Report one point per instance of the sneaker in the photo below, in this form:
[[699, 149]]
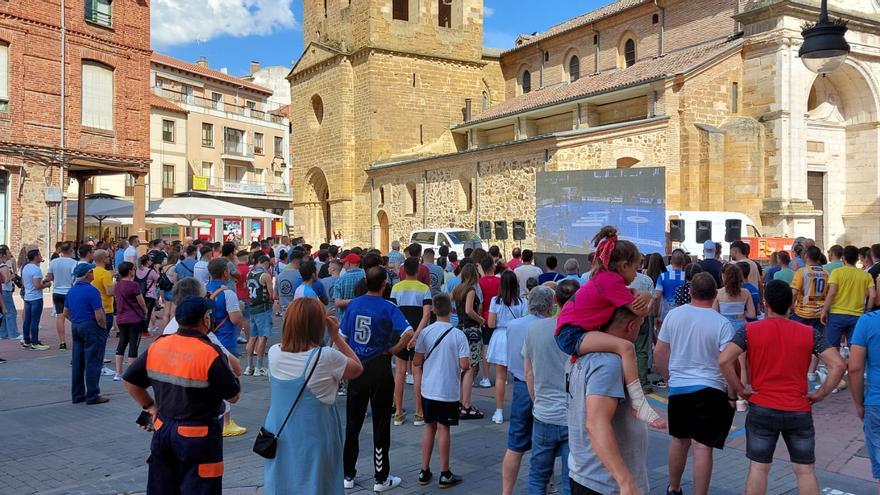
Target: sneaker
[[409, 379], [39, 346], [485, 383], [62, 347], [24, 345], [105, 371], [2, 360], [399, 419], [20, 337], [389, 484], [419, 420], [117, 377], [343, 391], [448, 479], [241, 340], [498, 417], [348, 483], [425, 476], [261, 372], [248, 371], [233, 430], [670, 491]]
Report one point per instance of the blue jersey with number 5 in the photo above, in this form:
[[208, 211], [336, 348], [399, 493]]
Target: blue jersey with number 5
[[372, 325]]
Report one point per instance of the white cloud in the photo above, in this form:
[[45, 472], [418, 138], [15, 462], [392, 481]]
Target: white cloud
[[488, 11], [176, 22]]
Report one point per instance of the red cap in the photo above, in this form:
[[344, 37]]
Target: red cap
[[352, 258]]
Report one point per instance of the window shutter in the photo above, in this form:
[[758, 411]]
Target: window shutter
[[4, 72], [97, 96]]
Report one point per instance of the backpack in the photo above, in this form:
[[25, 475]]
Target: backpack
[[212, 297], [164, 283], [143, 283]]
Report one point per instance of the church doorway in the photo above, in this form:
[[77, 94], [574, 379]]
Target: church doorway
[[383, 232], [318, 223]]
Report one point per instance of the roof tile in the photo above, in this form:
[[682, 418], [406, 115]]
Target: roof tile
[[159, 102], [206, 72]]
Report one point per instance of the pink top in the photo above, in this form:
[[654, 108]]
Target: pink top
[[594, 303], [513, 263]]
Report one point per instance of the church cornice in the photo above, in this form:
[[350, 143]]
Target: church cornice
[[763, 10]]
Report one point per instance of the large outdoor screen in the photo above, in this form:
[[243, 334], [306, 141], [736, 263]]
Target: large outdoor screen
[[573, 206]]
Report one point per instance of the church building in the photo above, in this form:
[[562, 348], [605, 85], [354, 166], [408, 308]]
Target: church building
[[403, 120]]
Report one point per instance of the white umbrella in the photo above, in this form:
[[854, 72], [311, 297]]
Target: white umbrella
[[166, 222], [193, 207]]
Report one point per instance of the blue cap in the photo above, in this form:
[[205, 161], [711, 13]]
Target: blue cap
[[192, 309], [83, 269]]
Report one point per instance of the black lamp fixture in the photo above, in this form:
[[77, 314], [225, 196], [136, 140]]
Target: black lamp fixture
[[825, 48]]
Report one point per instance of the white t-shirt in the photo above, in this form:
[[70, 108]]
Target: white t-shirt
[[61, 269], [200, 272], [441, 372], [130, 255], [696, 336], [324, 382], [172, 327], [505, 314], [524, 273]]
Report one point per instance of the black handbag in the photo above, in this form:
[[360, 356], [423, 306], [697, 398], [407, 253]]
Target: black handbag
[[266, 443]]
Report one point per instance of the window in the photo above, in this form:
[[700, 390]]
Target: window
[[629, 52], [734, 97], [655, 19], [258, 143], [233, 142], [596, 39], [444, 12], [423, 238], [485, 101], [382, 195], [318, 108], [250, 106], [208, 170], [546, 56], [526, 82], [627, 162], [4, 77], [97, 95], [129, 185], [279, 147], [207, 135], [167, 181], [400, 10], [99, 12], [187, 94], [234, 174], [574, 69], [217, 101], [168, 131], [412, 206]]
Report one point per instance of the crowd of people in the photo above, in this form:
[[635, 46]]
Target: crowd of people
[[579, 349]]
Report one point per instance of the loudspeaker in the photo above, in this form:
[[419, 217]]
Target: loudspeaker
[[501, 230], [733, 230], [676, 230], [485, 228], [704, 231], [519, 230]]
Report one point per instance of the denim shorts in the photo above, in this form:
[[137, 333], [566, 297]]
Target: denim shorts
[[838, 326], [763, 427], [519, 434], [261, 324], [816, 323], [569, 339], [872, 438]]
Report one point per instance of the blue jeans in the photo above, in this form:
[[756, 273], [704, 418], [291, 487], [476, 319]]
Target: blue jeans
[[89, 341], [9, 322], [30, 324], [872, 438], [548, 443], [838, 326]]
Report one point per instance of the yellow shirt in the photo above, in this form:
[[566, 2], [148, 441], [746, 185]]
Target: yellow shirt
[[811, 283], [104, 279], [852, 284]]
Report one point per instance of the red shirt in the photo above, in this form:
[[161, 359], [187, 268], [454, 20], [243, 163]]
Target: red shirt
[[490, 285], [594, 303], [513, 263], [779, 353], [241, 284], [424, 274]]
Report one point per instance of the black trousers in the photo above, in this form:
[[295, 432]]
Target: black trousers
[[376, 387], [578, 489]]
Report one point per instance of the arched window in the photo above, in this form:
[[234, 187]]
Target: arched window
[[382, 195], [485, 101], [574, 69], [412, 205], [526, 82], [627, 162], [318, 108], [629, 52], [465, 194]]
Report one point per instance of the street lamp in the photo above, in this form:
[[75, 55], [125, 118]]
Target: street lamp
[[825, 48]]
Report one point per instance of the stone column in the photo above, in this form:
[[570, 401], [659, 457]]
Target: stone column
[[139, 213]]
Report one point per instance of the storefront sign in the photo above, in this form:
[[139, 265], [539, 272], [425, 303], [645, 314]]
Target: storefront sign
[[200, 183]]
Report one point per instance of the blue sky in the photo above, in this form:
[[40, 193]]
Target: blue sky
[[231, 33]]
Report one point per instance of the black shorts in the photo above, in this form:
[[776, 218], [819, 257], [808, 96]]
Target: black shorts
[[704, 416], [58, 302], [487, 334], [406, 354], [445, 413], [763, 427]]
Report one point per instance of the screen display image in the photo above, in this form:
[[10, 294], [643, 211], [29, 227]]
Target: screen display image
[[572, 207]]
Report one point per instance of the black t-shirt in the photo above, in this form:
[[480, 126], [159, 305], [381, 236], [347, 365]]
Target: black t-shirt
[[712, 267], [874, 271]]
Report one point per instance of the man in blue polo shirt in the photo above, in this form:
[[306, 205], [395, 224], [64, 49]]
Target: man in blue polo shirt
[[85, 311], [375, 330]]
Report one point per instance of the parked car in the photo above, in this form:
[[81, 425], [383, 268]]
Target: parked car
[[455, 238]]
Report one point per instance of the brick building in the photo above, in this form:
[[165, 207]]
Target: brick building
[[74, 103], [405, 121]]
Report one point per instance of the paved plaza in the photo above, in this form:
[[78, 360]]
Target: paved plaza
[[50, 446]]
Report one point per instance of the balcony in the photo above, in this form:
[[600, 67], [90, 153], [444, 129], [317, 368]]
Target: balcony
[[215, 184], [219, 106], [238, 150]]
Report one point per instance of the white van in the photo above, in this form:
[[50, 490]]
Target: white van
[[711, 223], [456, 239]]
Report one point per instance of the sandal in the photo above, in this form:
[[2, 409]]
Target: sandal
[[470, 413]]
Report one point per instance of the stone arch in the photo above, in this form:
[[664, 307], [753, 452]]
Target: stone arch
[[384, 228], [572, 67], [317, 222], [627, 50], [524, 79], [627, 162]]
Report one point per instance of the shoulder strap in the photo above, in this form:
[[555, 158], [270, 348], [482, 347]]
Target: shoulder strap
[[438, 342], [301, 390], [223, 321]]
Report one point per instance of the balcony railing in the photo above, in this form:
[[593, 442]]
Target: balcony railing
[[215, 184], [222, 106], [238, 148]]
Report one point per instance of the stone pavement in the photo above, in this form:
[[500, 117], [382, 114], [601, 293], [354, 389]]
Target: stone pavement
[[50, 446]]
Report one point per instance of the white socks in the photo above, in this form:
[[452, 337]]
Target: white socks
[[640, 405]]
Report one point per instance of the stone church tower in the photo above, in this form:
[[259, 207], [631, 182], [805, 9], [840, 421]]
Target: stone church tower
[[379, 79]]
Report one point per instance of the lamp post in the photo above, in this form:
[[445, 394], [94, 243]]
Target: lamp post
[[825, 48]]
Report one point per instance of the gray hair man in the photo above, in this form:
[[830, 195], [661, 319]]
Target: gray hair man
[[395, 257], [545, 379], [572, 270]]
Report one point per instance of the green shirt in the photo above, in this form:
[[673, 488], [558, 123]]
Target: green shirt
[[834, 265], [786, 275]]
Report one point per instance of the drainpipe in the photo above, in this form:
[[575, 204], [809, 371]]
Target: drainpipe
[[372, 213], [60, 208], [660, 39], [541, 78], [477, 199], [425, 200], [598, 37]]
